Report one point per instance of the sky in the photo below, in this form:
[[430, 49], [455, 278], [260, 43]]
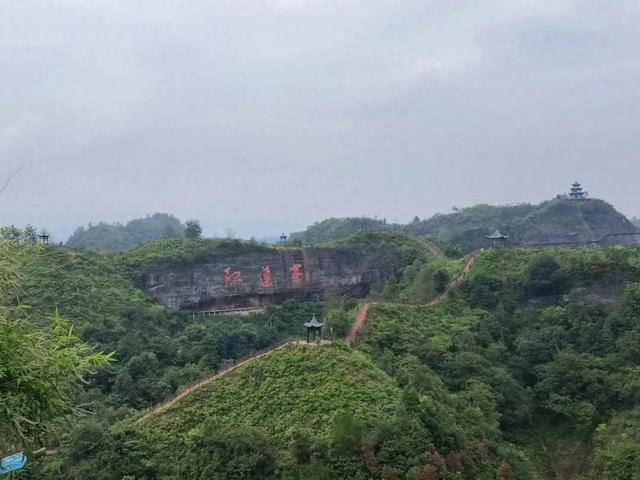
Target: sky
[[264, 116]]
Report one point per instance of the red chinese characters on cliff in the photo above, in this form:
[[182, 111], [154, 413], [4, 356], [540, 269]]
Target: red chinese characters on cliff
[[295, 274], [266, 278], [232, 279]]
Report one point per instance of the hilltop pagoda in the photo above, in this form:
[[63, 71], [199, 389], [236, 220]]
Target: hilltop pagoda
[[577, 193], [314, 327]]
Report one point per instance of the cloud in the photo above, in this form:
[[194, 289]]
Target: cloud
[[280, 112], [18, 132]]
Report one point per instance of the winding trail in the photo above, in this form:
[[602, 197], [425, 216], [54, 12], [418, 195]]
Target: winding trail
[[363, 310], [361, 318], [436, 250], [221, 373]]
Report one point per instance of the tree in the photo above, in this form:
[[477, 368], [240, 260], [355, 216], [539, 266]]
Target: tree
[[440, 280], [119, 237], [545, 276], [618, 446], [29, 236], [41, 370], [232, 454], [302, 446], [193, 229], [346, 434], [483, 291], [11, 234]]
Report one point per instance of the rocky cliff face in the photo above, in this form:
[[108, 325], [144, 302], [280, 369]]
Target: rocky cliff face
[[254, 278]]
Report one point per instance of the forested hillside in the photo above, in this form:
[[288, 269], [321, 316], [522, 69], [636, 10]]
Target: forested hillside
[[548, 334], [441, 337], [528, 370], [555, 221], [157, 350], [339, 228], [119, 237]]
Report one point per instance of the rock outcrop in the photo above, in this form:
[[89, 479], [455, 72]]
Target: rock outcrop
[[254, 278]]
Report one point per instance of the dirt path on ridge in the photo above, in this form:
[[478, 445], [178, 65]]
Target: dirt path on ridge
[[361, 318], [363, 310], [219, 374]]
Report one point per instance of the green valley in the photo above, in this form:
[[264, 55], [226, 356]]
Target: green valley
[[526, 368], [319, 240]]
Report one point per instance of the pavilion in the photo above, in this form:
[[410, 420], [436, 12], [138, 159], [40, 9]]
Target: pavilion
[[497, 238], [314, 327]]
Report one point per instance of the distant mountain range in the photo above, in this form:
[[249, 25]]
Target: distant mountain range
[[554, 221]]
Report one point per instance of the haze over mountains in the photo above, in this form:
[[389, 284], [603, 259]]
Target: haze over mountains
[[461, 309], [554, 221], [264, 115]]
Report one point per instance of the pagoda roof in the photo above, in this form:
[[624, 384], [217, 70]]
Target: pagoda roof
[[497, 236], [314, 323]]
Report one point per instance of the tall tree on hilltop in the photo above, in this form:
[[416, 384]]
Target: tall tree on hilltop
[[193, 229]]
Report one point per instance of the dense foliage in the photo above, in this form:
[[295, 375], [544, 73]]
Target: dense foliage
[[118, 237], [528, 370], [41, 369], [23, 237], [551, 335], [339, 228], [405, 248], [549, 222], [157, 350], [184, 252], [465, 229], [308, 412]]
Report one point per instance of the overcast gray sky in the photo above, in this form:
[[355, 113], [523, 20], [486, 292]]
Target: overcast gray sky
[[266, 115]]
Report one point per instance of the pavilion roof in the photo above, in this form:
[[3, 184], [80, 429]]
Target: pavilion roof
[[314, 323], [497, 236]]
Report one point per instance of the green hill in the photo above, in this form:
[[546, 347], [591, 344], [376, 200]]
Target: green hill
[[312, 412], [338, 228], [529, 367], [157, 350], [547, 332], [555, 221], [118, 237], [296, 389], [192, 251]]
